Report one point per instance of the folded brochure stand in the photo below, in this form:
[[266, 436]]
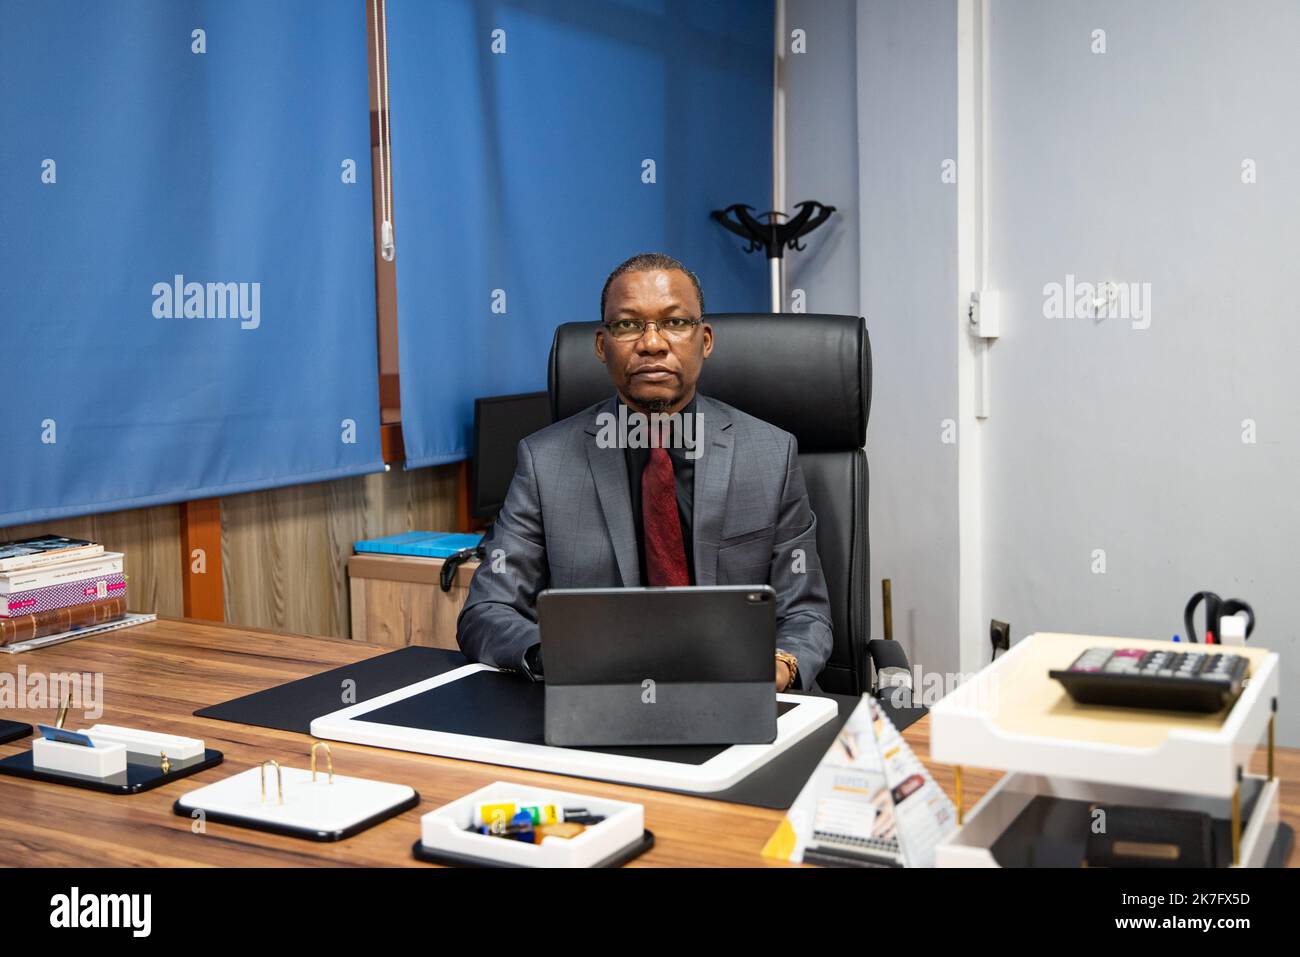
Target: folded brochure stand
[[871, 802]]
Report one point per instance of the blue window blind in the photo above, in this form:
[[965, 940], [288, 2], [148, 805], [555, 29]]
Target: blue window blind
[[186, 251], [525, 138]]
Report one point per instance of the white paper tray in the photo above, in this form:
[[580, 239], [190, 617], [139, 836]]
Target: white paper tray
[[971, 845], [1012, 717]]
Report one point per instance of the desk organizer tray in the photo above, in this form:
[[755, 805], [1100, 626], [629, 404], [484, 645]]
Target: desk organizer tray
[[316, 807], [477, 713], [13, 730], [444, 838], [1029, 820], [1012, 717], [141, 774]]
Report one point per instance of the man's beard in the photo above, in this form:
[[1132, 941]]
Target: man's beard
[[655, 406]]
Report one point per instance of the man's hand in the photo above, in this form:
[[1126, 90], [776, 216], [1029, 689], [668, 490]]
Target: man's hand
[[783, 675]]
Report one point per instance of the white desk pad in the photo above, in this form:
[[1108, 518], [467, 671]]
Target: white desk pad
[[718, 773]]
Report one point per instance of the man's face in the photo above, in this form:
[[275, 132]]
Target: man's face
[[658, 371]]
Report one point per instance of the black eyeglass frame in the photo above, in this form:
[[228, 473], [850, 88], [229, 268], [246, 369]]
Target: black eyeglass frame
[[658, 324]]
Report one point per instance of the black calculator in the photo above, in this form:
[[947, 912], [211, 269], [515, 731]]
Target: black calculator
[[1202, 681]]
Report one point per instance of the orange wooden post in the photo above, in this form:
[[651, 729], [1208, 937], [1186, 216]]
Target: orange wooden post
[[464, 522], [392, 447], [201, 586]]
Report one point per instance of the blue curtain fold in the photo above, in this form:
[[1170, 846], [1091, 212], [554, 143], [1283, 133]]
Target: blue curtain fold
[[520, 132], [139, 159]]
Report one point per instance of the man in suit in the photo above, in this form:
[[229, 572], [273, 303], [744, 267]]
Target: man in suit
[[719, 498]]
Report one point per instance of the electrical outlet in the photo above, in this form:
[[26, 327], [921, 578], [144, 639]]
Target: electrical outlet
[[999, 635]]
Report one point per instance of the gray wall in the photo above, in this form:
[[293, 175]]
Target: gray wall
[[1124, 166], [888, 72], [821, 152], [907, 115]]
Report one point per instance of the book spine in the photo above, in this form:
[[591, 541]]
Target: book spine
[[20, 562], [62, 595], [14, 582], [60, 620]]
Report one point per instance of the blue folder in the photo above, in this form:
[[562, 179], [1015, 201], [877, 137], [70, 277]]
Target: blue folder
[[421, 544]]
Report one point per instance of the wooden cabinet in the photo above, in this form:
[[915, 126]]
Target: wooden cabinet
[[397, 600]]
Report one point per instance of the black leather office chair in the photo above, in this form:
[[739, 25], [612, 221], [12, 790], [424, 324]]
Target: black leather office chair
[[809, 375]]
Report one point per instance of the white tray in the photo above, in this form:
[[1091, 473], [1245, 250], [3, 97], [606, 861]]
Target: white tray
[[718, 773], [1012, 717], [444, 829], [971, 845]]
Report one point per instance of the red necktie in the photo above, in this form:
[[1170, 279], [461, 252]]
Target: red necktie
[[665, 556]]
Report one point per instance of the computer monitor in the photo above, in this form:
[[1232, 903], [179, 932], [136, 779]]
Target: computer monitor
[[500, 422]]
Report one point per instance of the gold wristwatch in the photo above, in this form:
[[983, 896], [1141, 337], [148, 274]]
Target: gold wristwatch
[[792, 662]]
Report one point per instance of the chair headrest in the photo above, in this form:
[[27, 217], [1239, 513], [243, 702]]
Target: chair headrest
[[807, 374]]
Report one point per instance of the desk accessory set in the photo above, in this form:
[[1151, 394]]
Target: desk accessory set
[[109, 758]]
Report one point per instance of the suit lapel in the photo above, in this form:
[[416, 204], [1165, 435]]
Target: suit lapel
[[712, 480], [609, 470]]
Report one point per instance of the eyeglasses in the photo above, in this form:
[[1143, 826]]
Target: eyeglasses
[[629, 330]]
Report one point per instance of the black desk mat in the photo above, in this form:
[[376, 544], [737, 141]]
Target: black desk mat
[[293, 706], [13, 730]]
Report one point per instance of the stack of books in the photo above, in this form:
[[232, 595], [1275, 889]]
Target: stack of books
[[52, 584]]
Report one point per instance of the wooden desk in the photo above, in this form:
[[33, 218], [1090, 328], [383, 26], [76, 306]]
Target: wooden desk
[[156, 675]]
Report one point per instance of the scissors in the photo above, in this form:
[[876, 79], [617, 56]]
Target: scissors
[[1215, 608]]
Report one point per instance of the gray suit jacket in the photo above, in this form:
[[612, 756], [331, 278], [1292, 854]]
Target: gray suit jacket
[[567, 523]]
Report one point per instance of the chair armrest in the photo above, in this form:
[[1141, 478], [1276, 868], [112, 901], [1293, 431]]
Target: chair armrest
[[889, 664]]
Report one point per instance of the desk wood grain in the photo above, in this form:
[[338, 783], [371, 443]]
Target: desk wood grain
[[156, 675]]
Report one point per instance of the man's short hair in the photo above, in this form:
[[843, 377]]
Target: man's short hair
[[648, 262]]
